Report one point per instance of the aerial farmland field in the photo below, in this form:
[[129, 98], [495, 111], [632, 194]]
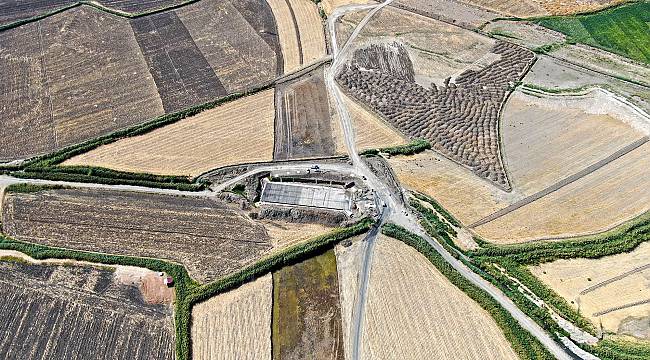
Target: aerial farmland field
[[408, 300], [240, 131], [202, 234], [77, 312]]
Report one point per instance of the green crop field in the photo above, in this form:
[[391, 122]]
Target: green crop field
[[623, 30]]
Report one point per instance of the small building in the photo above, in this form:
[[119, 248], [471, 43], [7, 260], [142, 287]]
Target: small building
[[169, 281]]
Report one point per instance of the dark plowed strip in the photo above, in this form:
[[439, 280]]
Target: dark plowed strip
[[562, 183], [182, 74]]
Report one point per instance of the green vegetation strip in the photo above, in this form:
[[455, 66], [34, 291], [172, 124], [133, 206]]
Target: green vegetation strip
[[414, 147], [516, 259], [522, 342], [622, 30], [188, 291]]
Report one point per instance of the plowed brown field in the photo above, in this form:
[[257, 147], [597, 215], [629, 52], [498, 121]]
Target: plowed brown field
[[204, 235], [414, 312], [237, 132]]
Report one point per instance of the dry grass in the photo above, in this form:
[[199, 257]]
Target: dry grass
[[533, 8], [284, 234], [287, 34], [546, 140], [236, 324], [438, 50], [569, 277], [609, 196], [330, 5], [410, 300], [312, 31], [370, 131], [237, 132], [465, 195]]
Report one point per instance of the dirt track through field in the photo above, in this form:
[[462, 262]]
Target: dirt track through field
[[560, 184]]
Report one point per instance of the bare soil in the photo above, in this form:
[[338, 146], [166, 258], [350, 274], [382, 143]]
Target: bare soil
[[304, 127], [204, 235], [78, 312], [67, 81]]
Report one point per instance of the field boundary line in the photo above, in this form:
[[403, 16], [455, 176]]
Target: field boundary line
[[614, 279], [562, 183], [297, 29], [621, 307]]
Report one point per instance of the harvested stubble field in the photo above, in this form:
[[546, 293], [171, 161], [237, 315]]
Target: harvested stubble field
[[597, 286], [437, 50], [204, 235], [183, 76], [301, 32], [348, 264], [330, 5], [533, 8], [237, 132], [68, 78], [304, 127], [75, 312], [284, 234], [546, 139], [460, 119], [371, 132], [306, 310], [237, 38], [14, 10], [454, 11], [235, 325], [468, 197], [601, 200], [410, 300]]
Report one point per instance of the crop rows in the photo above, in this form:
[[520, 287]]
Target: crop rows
[[209, 239], [460, 119], [54, 312]]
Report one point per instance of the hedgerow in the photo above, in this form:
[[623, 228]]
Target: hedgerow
[[414, 147], [523, 343], [441, 210]]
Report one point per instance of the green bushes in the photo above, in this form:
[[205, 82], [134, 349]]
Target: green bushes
[[188, 291], [414, 147], [523, 343], [31, 188], [442, 211], [62, 176]]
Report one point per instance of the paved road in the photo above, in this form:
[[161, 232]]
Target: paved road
[[397, 213], [562, 183]]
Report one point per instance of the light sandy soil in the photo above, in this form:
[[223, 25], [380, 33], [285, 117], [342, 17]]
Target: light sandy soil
[[547, 139], [330, 5], [370, 131], [450, 10], [570, 277], [287, 34], [236, 324], [410, 300], [463, 194], [348, 263], [601, 200], [284, 234], [149, 282], [311, 28], [240, 131], [438, 50], [564, 7], [518, 8]]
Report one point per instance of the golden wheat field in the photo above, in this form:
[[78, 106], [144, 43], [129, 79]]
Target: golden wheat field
[[547, 139], [600, 285], [311, 30], [236, 324], [348, 263], [369, 130], [287, 34], [284, 234], [410, 300], [237, 132], [599, 201]]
